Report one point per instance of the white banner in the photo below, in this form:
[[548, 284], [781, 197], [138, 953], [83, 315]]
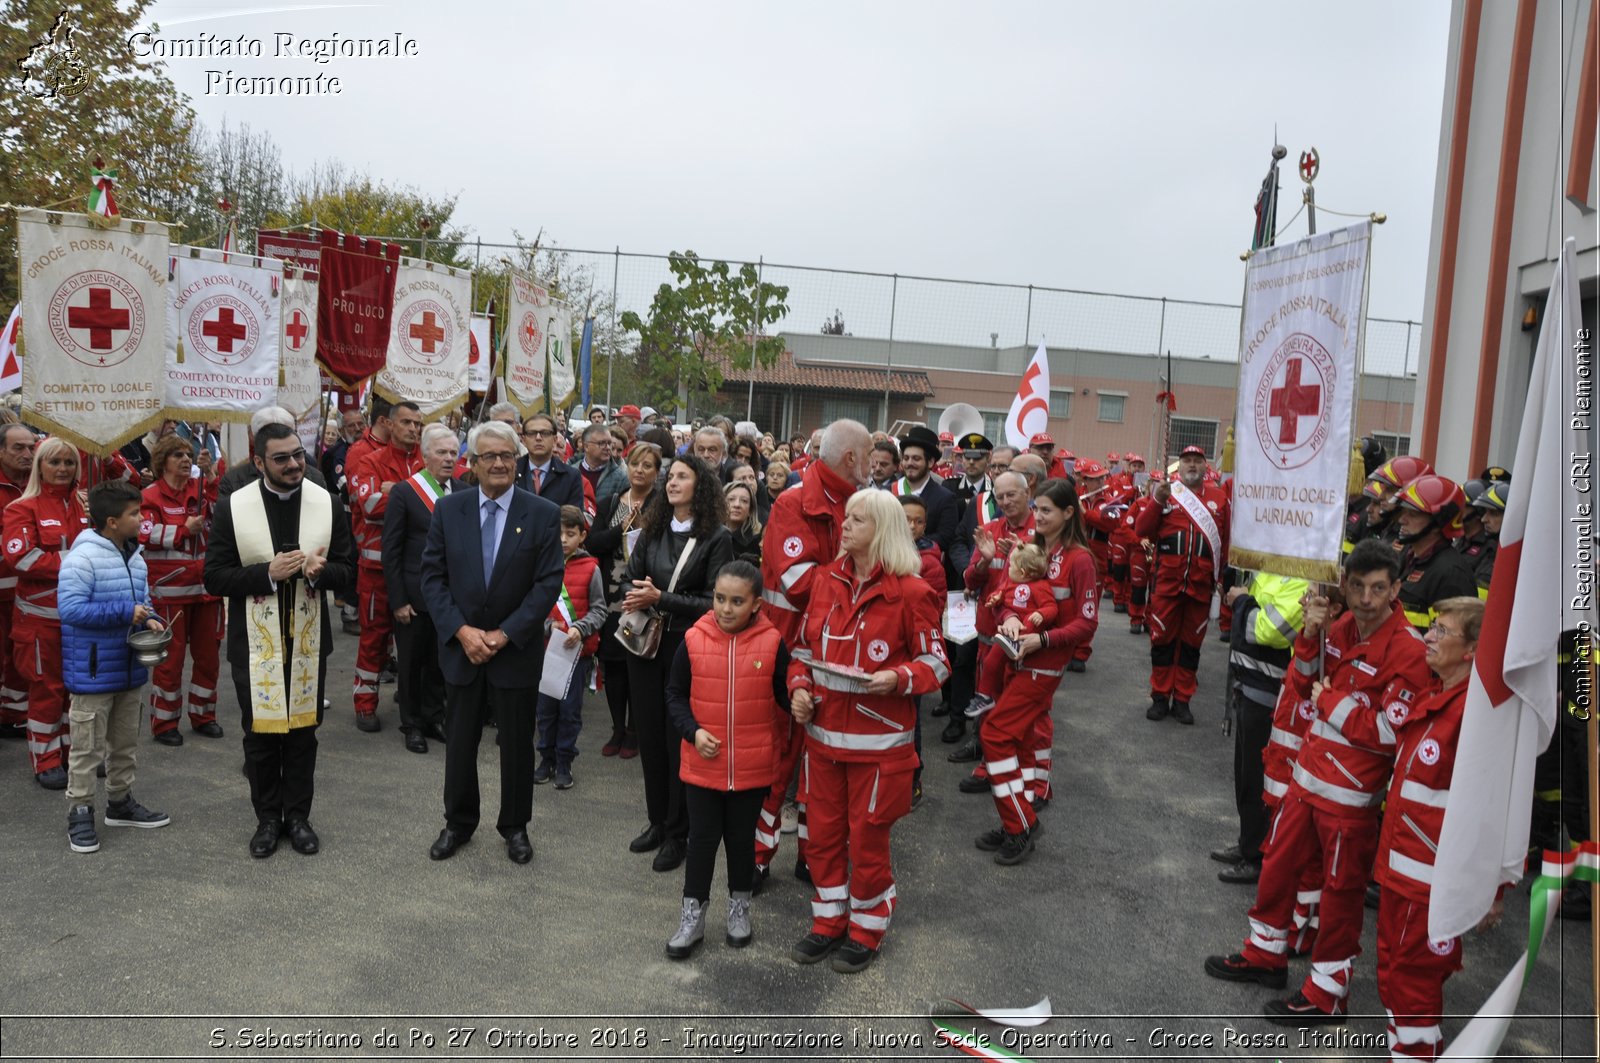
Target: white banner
[[527, 324], [563, 372], [430, 342], [93, 326], [222, 335], [1301, 335], [1030, 410], [478, 360], [300, 381]]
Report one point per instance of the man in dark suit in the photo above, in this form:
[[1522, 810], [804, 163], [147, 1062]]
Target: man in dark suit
[[540, 471], [919, 449], [491, 572], [405, 531], [266, 538]]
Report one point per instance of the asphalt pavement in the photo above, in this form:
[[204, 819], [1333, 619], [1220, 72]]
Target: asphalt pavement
[[168, 943]]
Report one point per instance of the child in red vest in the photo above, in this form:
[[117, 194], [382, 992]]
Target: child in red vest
[[727, 693], [577, 618], [1025, 594]]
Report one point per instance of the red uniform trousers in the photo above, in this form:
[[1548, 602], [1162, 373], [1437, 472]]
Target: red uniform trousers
[[1411, 974], [372, 652], [851, 806], [13, 686], [36, 649], [1178, 623], [1138, 584], [1300, 832], [768, 832], [199, 626], [1011, 740], [1117, 570], [1307, 900]]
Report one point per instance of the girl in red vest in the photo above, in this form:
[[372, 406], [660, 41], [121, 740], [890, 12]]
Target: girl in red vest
[[38, 529], [726, 694]]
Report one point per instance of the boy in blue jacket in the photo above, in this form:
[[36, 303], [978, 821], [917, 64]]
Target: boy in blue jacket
[[104, 593]]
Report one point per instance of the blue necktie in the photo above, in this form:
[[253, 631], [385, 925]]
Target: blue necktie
[[491, 540]]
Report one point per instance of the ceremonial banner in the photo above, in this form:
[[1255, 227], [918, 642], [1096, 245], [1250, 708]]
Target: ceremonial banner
[[93, 326], [480, 360], [527, 326], [355, 305], [558, 342], [302, 249], [299, 379], [1030, 410], [1300, 342], [430, 343], [585, 360], [222, 335]]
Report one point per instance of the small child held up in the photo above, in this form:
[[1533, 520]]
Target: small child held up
[[726, 695], [104, 593], [1026, 594], [577, 617]]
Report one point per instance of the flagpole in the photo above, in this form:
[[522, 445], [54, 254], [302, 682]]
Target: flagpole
[[1592, 730]]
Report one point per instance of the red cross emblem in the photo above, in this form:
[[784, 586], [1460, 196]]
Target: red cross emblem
[[428, 331], [224, 329], [1293, 401], [100, 318], [1310, 165], [296, 330]]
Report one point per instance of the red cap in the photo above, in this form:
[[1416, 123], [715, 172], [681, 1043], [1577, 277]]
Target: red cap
[[1041, 439], [1067, 457], [947, 437], [1090, 469], [1197, 451], [1132, 457], [629, 411], [1113, 457]]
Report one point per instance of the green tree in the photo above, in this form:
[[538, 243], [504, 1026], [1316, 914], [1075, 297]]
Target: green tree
[[71, 88], [333, 197], [703, 322]]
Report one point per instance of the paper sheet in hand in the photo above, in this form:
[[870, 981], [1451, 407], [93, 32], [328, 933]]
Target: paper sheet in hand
[[960, 618], [560, 660]]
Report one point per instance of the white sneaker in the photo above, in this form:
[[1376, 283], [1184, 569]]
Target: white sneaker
[[789, 818]]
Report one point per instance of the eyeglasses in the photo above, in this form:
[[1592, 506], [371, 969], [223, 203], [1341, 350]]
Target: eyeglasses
[[497, 458], [294, 457], [538, 433], [1440, 631]]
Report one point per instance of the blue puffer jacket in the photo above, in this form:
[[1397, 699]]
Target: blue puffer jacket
[[99, 587]]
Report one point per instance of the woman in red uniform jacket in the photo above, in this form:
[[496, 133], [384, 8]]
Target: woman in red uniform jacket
[[38, 529], [176, 514], [875, 625], [1016, 734]]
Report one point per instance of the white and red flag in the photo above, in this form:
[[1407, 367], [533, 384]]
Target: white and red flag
[[222, 334], [10, 360], [1030, 410], [299, 379], [430, 342]]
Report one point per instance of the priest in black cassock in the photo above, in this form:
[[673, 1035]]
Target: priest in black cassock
[[276, 545]]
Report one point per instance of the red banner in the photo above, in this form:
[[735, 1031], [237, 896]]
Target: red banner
[[302, 249], [354, 305]]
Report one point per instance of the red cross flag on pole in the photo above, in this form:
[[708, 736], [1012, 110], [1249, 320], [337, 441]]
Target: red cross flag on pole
[[1303, 326], [430, 345], [222, 334], [1030, 410], [10, 359]]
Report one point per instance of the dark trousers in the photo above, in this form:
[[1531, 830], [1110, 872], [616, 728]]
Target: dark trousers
[[725, 817], [281, 768], [659, 741], [617, 695], [1252, 730], [421, 683], [963, 673], [469, 708], [561, 719]]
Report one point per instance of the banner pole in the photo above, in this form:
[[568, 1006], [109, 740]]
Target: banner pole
[[1586, 643], [750, 392], [611, 355], [888, 360]]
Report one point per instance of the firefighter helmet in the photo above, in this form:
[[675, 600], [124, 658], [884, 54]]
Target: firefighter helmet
[[1394, 474], [1438, 497], [1493, 497], [1472, 489]]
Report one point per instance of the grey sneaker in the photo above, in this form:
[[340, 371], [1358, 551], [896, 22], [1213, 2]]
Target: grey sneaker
[[739, 932], [130, 813], [979, 705], [80, 830], [691, 930]]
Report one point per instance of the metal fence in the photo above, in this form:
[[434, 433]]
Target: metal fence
[[908, 308]]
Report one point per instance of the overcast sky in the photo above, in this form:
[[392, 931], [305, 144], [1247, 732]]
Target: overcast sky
[[1105, 146]]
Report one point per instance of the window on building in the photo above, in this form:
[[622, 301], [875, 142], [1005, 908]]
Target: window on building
[[1111, 404], [1060, 404], [863, 410], [994, 426], [1396, 445], [1193, 432]]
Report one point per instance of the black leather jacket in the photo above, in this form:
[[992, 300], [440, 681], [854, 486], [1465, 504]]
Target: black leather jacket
[[691, 596]]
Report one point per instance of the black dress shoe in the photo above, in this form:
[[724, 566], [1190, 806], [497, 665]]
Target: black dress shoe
[[209, 730], [173, 737], [953, 731], [670, 856], [445, 846], [1181, 713], [264, 842], [518, 847], [1159, 709], [369, 722], [648, 839], [941, 709], [1243, 873], [416, 743], [433, 731], [1231, 855], [966, 752], [301, 836], [1077, 666], [973, 785]]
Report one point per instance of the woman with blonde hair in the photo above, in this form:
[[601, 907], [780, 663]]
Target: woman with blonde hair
[[37, 530], [869, 643]]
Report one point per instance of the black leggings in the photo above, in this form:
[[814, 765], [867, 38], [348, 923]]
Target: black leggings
[[616, 673], [722, 816]]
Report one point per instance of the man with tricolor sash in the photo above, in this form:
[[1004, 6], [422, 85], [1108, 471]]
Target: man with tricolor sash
[[405, 532], [276, 546]]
